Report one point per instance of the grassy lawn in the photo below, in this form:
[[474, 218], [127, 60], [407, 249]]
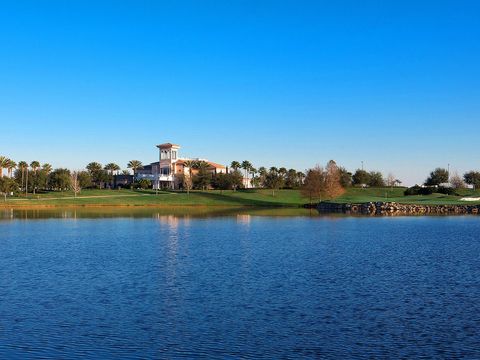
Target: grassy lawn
[[358, 195], [257, 198]]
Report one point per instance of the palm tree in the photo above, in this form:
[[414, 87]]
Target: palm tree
[[135, 165], [22, 165], [189, 164], [47, 168], [34, 165], [262, 172], [10, 166], [235, 165], [112, 167], [93, 167], [3, 164], [246, 166]]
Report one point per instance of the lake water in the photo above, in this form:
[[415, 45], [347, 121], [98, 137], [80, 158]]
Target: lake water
[[150, 284]]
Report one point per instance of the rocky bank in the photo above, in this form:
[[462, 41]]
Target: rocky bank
[[392, 209]]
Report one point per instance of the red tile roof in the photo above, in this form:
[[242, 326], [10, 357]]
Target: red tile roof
[[167, 145], [212, 164]]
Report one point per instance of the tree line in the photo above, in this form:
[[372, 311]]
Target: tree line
[[25, 178]]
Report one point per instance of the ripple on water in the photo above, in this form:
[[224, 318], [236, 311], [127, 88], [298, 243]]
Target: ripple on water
[[262, 287]]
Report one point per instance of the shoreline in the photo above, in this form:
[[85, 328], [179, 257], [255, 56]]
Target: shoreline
[[159, 206], [396, 209]]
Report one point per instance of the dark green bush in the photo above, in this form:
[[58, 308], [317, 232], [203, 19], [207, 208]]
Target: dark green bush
[[418, 190], [446, 190]]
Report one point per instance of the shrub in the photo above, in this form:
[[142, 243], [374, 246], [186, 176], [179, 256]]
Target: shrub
[[144, 184], [428, 190], [418, 190], [446, 190]]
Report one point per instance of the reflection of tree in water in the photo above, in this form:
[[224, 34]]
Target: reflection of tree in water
[[163, 214]]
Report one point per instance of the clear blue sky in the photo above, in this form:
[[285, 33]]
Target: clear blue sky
[[287, 83]]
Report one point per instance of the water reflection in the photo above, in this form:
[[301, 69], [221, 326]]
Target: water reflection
[[244, 219], [170, 215]]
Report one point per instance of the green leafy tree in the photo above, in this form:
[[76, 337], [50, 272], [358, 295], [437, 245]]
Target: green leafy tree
[[236, 179], [60, 179], [228, 181], [144, 184], [361, 177], [274, 180], [437, 177], [345, 177], [222, 182], [203, 177], [376, 179], [41, 179], [472, 178], [7, 186], [98, 174], [84, 179], [291, 179]]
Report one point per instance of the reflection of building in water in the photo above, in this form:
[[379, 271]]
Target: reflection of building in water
[[170, 220], [67, 214], [7, 214], [244, 219]]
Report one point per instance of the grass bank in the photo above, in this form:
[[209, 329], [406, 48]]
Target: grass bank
[[92, 198], [243, 198]]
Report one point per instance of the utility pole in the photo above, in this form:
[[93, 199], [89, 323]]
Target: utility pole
[[362, 165]]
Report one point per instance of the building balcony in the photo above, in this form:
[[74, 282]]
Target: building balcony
[[162, 177], [154, 177]]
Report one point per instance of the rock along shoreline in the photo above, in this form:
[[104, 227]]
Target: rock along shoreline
[[396, 209]]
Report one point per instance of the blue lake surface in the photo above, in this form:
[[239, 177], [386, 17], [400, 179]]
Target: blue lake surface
[[244, 286]]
